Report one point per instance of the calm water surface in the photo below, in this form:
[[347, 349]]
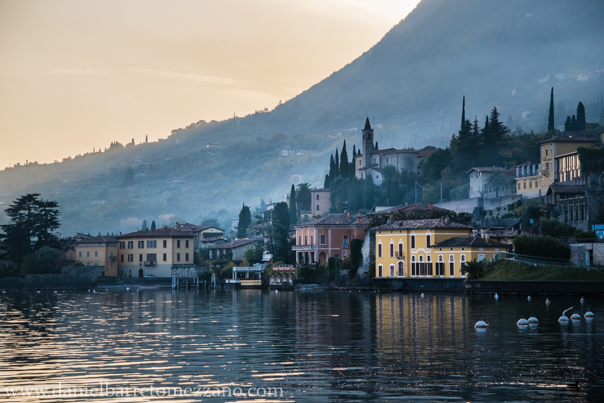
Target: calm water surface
[[315, 346]]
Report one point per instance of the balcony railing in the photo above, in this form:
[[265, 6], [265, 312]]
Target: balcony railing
[[151, 263], [303, 247], [112, 258]]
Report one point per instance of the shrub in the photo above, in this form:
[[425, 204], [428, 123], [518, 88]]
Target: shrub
[[541, 246]]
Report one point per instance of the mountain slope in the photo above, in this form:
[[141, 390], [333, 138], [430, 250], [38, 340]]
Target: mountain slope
[[507, 54]]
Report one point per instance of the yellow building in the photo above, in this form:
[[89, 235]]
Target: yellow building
[[97, 251], [559, 162], [429, 248], [155, 253]]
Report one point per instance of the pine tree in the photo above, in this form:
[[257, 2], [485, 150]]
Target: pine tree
[[293, 213], [550, 120], [581, 124], [344, 164]]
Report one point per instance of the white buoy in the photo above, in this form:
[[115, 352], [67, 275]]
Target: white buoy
[[94, 291], [480, 324], [38, 292], [547, 301], [575, 316], [422, 295], [55, 292], [89, 290], [127, 288], [3, 292], [589, 315], [529, 298], [564, 319], [276, 291], [522, 322], [496, 296], [582, 300], [533, 321]]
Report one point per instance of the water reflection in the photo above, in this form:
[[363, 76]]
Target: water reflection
[[316, 346]]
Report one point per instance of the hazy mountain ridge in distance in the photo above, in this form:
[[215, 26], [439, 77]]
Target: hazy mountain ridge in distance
[[507, 54]]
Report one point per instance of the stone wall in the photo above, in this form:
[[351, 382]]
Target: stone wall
[[581, 253], [488, 204]]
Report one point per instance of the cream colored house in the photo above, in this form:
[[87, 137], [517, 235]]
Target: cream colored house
[[155, 252], [97, 251]]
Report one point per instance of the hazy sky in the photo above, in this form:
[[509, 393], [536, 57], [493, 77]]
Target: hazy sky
[[76, 75]]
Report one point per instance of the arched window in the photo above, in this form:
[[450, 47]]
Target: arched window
[[422, 267], [401, 268], [400, 250], [451, 266], [391, 249], [413, 266], [379, 250], [380, 271], [428, 265], [391, 270], [440, 266]]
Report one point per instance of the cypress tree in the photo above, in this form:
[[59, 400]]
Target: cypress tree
[[344, 164], [337, 169], [128, 178], [573, 124], [376, 145], [354, 153], [568, 125], [463, 113], [580, 118], [368, 192], [145, 227], [293, 213], [326, 182], [245, 219], [153, 227], [550, 119], [332, 168]]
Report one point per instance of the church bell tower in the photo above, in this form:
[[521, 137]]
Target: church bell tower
[[367, 143]]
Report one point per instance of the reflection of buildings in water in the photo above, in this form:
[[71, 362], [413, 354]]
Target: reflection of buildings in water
[[421, 330]]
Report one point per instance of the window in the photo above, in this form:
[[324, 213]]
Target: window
[[412, 241], [318, 208], [165, 243], [480, 258], [165, 257], [305, 240], [151, 257], [131, 257], [401, 268], [186, 243], [391, 250], [380, 271], [428, 240], [122, 258], [518, 185], [140, 257], [345, 241], [413, 266], [186, 257], [546, 152], [429, 265], [80, 254], [391, 270], [178, 243], [530, 185], [178, 257], [141, 244], [151, 244], [422, 267], [336, 255], [524, 185], [87, 253], [312, 240], [130, 244], [299, 240], [451, 266], [317, 197], [96, 253], [440, 266], [400, 249], [122, 245], [322, 239], [379, 250]]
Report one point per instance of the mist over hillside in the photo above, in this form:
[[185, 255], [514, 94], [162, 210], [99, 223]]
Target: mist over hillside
[[410, 84]]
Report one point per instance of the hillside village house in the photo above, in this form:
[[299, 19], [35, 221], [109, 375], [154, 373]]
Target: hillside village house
[[233, 249], [479, 182], [435, 248], [97, 251], [559, 162], [155, 252], [320, 201], [204, 236], [318, 240]]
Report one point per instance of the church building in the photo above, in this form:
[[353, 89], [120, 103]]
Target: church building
[[372, 161]]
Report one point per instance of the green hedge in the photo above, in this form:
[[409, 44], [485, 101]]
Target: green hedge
[[541, 246]]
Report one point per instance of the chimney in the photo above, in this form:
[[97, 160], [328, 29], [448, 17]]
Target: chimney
[[348, 214], [447, 221], [474, 232], [486, 234], [359, 217], [430, 205]]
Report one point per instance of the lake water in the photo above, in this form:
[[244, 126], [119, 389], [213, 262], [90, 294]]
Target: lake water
[[160, 345]]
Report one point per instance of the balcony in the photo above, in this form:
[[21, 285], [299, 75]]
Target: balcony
[[399, 256], [345, 246], [112, 258], [303, 247], [150, 263]]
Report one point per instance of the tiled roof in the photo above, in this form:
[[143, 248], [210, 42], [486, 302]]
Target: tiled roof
[[162, 232], [333, 219], [560, 188], [402, 150], [320, 190], [425, 153], [235, 244], [468, 241], [95, 239], [575, 137], [410, 208], [485, 169], [193, 227], [423, 224], [504, 233]]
